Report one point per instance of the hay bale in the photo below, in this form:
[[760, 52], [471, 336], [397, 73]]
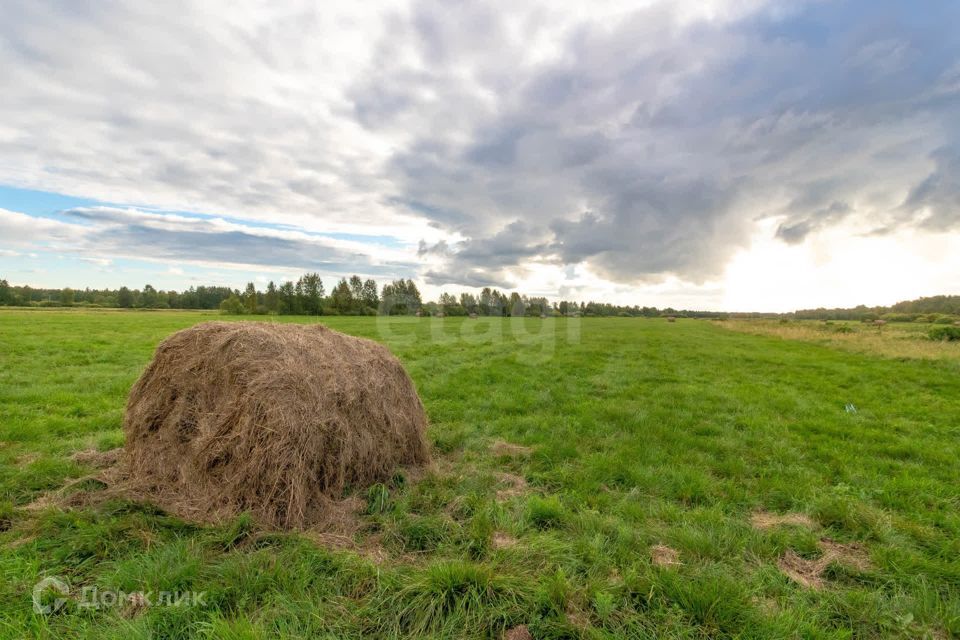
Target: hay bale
[[274, 419]]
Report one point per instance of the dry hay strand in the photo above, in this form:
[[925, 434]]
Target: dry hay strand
[[98, 459], [277, 420], [137, 603], [503, 540], [66, 497], [504, 449], [663, 556], [26, 459], [515, 485], [764, 520], [809, 573], [518, 633]]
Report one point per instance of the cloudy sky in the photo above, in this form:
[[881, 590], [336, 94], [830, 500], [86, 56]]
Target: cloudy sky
[[731, 154]]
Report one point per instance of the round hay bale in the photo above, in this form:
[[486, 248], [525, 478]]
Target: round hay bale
[[274, 419]]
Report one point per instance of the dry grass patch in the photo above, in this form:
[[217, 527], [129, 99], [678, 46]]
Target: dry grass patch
[[504, 449], [518, 633], [891, 340], [663, 556], [98, 459], [503, 540], [514, 485], [137, 603], [26, 459], [764, 520], [809, 573]]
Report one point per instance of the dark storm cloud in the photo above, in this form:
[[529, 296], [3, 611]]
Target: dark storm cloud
[[799, 228], [649, 147], [939, 193]]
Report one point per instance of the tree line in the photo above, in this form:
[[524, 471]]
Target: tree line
[[308, 296], [356, 296], [927, 309]]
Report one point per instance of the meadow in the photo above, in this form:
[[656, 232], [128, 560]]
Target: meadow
[[592, 478]]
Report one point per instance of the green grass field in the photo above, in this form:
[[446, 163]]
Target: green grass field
[[639, 440]]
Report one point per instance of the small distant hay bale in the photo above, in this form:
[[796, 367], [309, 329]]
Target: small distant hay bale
[[473, 316], [272, 419], [671, 319]]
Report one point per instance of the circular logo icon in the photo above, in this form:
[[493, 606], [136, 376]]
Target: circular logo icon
[[54, 584]]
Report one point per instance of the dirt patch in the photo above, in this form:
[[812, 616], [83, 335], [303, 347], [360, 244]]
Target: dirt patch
[[802, 571], [809, 573], [852, 555], [504, 449], [41, 502], [765, 520], [503, 540], [518, 633], [513, 485], [339, 531], [271, 419], [577, 618], [98, 459], [663, 556], [137, 603], [369, 548], [26, 459]]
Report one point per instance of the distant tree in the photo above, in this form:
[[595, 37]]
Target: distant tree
[[233, 305], [250, 298], [356, 294], [450, 305], [148, 298], [371, 300], [289, 300], [413, 296], [310, 292], [486, 301], [400, 297], [6, 294], [66, 297], [516, 304], [341, 298], [272, 298], [469, 303]]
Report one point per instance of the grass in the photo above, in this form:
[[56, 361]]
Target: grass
[[638, 433], [894, 340]]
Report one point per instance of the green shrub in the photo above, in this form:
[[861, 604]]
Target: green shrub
[[378, 499], [945, 333], [479, 534], [458, 595], [545, 513], [899, 317], [945, 320], [6, 515], [423, 533]]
